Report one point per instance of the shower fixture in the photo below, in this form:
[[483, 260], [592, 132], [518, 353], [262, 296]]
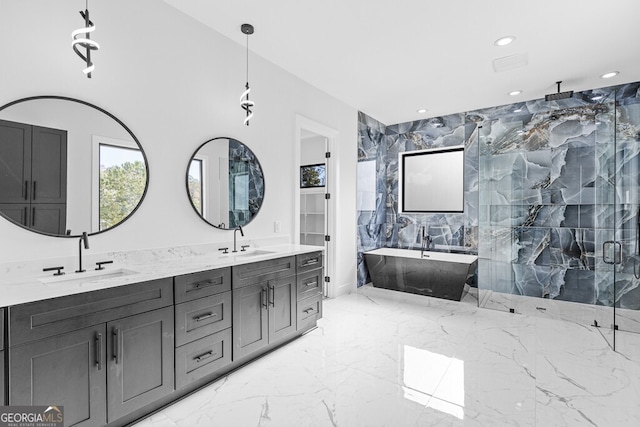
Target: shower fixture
[[245, 103], [85, 42], [558, 95]]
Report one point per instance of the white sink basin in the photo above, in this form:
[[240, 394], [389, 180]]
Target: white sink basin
[[88, 276]]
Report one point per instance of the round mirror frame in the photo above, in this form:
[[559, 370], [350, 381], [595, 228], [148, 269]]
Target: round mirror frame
[[117, 120], [255, 158]]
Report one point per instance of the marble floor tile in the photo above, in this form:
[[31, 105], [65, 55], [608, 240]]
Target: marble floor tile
[[384, 358]]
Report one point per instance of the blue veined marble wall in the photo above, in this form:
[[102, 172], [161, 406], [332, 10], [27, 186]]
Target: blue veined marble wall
[[540, 197], [380, 224], [557, 181]]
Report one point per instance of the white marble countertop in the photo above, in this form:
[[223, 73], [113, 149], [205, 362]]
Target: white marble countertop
[[29, 288]]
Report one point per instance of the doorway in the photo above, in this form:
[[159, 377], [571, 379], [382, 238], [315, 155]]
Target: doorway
[[315, 178]]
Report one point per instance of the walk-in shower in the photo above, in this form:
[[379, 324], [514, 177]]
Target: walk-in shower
[[559, 209]]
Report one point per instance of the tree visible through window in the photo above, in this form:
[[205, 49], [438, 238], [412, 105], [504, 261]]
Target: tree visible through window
[[123, 177], [195, 184]]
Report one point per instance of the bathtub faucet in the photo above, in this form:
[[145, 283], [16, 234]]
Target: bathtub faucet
[[426, 241]]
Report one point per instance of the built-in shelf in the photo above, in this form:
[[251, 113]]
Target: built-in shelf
[[312, 216]]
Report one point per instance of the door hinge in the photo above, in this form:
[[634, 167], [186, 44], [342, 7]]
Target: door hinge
[[327, 238], [327, 279], [327, 196], [327, 154]]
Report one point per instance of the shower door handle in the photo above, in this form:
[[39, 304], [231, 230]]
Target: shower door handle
[[617, 254]]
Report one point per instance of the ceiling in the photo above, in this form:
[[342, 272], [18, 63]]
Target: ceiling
[[389, 58]]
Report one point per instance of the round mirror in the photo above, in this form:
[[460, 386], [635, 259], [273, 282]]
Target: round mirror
[[68, 167], [225, 183]]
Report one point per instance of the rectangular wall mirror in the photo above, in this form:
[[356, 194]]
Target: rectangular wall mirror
[[432, 180]]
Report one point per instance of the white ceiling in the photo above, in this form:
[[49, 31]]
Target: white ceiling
[[388, 58]]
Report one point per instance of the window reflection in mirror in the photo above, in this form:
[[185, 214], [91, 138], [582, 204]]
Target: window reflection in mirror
[[195, 184], [68, 198], [122, 178], [225, 183]]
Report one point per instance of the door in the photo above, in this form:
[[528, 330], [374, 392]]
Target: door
[[315, 145], [64, 370], [250, 320], [282, 307], [48, 165], [624, 168], [48, 217], [15, 162], [2, 381], [17, 212], [140, 355]]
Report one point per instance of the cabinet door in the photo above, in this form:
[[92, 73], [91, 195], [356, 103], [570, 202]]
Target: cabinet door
[[48, 165], [2, 381], [48, 217], [140, 359], [17, 212], [15, 162], [67, 370], [282, 308], [250, 320]]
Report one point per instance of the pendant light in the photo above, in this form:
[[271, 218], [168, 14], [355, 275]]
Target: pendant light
[[85, 42], [245, 103]]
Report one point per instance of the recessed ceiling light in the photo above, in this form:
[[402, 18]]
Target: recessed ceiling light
[[421, 111], [503, 41], [518, 110], [609, 74], [515, 92]]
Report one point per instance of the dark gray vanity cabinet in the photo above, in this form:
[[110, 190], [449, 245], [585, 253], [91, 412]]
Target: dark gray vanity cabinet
[[68, 369], [139, 361], [3, 382], [203, 324], [309, 289], [264, 304], [33, 176], [101, 354]]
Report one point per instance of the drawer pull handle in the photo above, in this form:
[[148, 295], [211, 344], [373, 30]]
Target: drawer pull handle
[[204, 356], [310, 262], [205, 316], [200, 285], [314, 284], [308, 310]]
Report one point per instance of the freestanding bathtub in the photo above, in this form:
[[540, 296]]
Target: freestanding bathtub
[[438, 274]]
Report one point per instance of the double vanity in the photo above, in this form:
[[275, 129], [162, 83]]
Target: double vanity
[[113, 345], [142, 329]]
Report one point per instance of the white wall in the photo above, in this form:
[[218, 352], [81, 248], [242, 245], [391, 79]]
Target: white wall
[[175, 84]]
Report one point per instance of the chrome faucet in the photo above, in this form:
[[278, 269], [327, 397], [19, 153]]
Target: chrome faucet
[[425, 241], [83, 239], [234, 237]]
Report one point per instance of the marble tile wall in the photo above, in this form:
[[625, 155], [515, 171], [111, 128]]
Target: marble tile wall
[[382, 225], [546, 184]]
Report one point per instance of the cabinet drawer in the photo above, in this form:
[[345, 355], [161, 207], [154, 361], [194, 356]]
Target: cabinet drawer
[[197, 285], [202, 357], [40, 319], [307, 262], [309, 284], [261, 271], [309, 311], [201, 317]]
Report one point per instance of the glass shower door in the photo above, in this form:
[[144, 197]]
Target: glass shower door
[[626, 289]]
